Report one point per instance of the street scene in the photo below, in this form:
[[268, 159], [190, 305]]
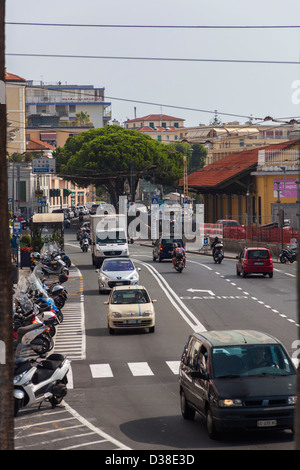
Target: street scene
[[151, 212]]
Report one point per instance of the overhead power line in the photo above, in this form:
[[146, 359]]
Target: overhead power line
[[74, 25], [168, 59]]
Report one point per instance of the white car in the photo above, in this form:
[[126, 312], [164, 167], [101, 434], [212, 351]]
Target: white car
[[117, 272], [130, 307]]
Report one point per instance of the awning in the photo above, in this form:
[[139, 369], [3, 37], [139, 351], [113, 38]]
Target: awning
[[48, 218]]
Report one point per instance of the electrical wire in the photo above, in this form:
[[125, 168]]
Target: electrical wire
[[167, 59], [74, 25]]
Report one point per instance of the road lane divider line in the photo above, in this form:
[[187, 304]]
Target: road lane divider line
[[186, 314]]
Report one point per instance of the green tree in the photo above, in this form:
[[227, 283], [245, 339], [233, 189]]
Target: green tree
[[198, 157], [83, 118], [107, 157]]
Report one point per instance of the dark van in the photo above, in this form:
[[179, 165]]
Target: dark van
[[237, 380], [163, 248]]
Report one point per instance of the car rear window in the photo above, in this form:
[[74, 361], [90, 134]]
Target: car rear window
[[255, 254]]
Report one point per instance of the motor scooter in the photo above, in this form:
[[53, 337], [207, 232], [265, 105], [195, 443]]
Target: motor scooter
[[84, 244], [179, 263], [218, 253], [288, 255], [36, 382]]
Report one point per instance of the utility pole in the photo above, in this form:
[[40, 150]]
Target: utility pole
[[185, 180], [6, 342]]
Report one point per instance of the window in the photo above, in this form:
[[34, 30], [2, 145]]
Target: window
[[151, 124], [193, 359]]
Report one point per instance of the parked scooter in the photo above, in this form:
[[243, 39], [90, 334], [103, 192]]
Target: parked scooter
[[218, 253], [288, 255], [35, 382]]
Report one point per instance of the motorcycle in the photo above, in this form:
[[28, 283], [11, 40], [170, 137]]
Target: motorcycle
[[35, 382], [84, 244], [179, 263], [36, 336], [218, 253], [288, 255]]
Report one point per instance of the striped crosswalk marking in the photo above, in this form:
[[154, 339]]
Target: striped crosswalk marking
[[137, 369], [70, 337], [101, 370], [140, 368]]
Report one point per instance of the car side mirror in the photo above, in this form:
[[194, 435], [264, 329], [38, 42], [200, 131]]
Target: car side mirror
[[154, 301], [97, 271], [106, 302], [139, 269]]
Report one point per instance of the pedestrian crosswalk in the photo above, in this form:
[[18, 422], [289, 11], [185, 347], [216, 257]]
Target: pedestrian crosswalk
[[137, 369], [70, 337]]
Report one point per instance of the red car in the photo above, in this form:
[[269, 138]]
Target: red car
[[254, 261], [232, 228]]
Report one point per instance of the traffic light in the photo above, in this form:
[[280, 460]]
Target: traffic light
[[54, 192], [67, 192]]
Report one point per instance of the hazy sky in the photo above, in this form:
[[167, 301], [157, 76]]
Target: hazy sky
[[245, 89]]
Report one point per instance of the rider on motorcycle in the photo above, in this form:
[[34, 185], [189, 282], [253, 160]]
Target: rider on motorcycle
[[213, 245], [177, 248]]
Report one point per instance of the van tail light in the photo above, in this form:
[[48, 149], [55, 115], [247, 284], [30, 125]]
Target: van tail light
[[161, 248]]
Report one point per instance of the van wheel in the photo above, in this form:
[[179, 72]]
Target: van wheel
[[186, 411], [210, 427]]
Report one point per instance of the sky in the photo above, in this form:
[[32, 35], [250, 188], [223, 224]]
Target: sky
[[190, 90]]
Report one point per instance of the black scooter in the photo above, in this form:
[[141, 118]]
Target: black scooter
[[288, 255]]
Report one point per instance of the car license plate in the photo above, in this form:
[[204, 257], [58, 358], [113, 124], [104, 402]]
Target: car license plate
[[259, 263], [131, 321], [119, 283], [266, 423]]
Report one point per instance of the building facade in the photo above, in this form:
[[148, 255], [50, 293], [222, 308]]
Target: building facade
[[160, 127]]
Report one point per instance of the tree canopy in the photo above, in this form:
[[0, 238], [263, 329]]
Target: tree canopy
[[111, 155]]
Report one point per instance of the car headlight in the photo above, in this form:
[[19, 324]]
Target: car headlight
[[134, 277], [99, 250], [116, 314], [227, 402], [292, 400], [147, 313], [104, 278]]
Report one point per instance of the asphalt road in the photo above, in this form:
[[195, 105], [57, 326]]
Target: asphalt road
[[124, 387]]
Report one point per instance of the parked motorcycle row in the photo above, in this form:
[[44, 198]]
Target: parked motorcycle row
[[51, 260], [37, 312]]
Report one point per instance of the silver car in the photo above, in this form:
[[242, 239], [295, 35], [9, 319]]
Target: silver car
[[117, 272]]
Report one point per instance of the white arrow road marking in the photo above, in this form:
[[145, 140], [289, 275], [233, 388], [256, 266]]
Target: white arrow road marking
[[200, 290]]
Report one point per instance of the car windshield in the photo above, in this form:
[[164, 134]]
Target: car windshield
[[249, 360], [117, 265], [134, 296], [114, 237], [254, 254]]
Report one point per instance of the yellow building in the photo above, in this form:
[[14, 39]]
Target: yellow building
[[252, 186]]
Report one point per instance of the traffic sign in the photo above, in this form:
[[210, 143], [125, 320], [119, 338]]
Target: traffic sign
[[17, 228], [43, 165]]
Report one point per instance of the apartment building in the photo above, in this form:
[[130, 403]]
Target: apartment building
[[160, 127], [55, 111]]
